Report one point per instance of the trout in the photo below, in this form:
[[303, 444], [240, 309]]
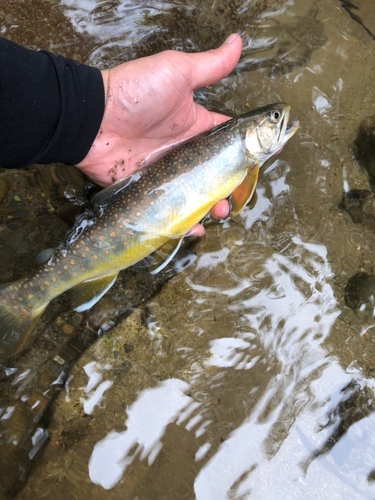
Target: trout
[[145, 211]]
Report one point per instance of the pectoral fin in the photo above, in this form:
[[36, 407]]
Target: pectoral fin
[[166, 253], [243, 193], [87, 294]]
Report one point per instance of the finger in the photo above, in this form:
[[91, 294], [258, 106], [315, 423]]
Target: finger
[[220, 210], [197, 230], [213, 65]]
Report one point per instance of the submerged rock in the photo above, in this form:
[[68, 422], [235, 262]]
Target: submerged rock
[[359, 289], [360, 205], [365, 147]]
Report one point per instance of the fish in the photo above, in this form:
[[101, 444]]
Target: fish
[[146, 212]]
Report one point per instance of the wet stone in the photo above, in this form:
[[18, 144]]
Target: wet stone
[[128, 347], [44, 255], [67, 329]]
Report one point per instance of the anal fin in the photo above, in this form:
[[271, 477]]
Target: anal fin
[[87, 294], [243, 193]]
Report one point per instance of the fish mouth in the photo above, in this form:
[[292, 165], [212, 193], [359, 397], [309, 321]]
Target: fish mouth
[[290, 130], [286, 131]]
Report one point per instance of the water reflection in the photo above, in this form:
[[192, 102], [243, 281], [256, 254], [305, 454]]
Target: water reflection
[[143, 436], [248, 474]]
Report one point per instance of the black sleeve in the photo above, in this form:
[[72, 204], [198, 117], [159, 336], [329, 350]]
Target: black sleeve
[[51, 107]]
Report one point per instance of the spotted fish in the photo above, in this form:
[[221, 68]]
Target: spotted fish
[[145, 211]]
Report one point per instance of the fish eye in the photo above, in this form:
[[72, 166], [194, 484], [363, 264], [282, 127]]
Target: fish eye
[[274, 116]]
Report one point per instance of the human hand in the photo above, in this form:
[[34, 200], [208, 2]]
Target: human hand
[[149, 108]]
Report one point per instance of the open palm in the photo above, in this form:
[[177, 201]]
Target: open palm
[[150, 108]]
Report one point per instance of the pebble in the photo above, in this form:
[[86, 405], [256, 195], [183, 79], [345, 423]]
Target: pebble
[[67, 329]]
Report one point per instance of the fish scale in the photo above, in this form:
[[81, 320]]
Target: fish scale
[[160, 203]]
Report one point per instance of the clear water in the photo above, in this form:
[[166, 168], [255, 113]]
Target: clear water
[[247, 375]]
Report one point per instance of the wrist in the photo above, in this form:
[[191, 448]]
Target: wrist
[[105, 76]]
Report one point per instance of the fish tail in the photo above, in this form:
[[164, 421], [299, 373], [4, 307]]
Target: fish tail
[[16, 318]]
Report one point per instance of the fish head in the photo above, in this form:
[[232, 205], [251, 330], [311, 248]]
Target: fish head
[[267, 131]]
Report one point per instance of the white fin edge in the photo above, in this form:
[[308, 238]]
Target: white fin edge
[[87, 305], [167, 261]]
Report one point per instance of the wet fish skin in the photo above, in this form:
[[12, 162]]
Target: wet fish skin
[[160, 203]]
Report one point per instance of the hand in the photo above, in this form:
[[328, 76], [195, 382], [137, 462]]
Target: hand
[[150, 108]]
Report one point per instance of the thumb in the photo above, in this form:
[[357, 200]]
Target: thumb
[[213, 65]]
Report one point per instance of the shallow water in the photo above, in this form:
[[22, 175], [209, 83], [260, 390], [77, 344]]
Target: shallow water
[[250, 373]]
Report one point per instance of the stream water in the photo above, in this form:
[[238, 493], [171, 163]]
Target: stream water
[[247, 369]]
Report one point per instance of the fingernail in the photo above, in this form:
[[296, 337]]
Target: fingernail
[[230, 38]]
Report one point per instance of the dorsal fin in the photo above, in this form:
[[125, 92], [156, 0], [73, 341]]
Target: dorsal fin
[[108, 195]]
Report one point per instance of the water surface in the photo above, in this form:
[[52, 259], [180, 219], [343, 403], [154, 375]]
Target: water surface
[[250, 373]]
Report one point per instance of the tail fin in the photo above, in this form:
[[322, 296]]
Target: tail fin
[[16, 319]]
